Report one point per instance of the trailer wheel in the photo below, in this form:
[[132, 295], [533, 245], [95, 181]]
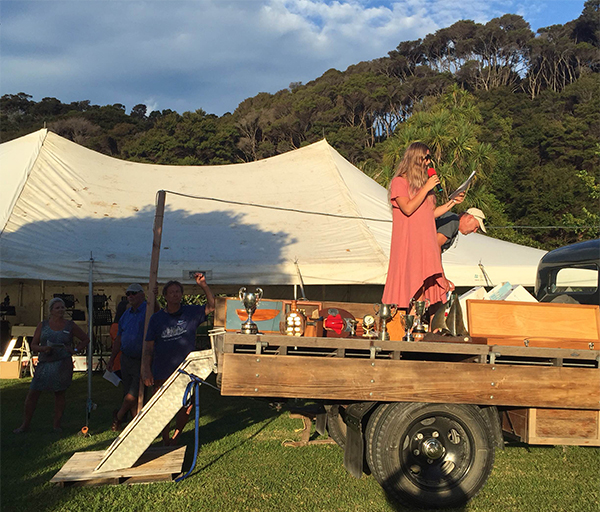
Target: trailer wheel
[[336, 426], [431, 455], [371, 433]]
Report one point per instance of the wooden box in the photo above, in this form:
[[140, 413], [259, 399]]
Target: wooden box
[[10, 369], [553, 426], [230, 313], [539, 324]]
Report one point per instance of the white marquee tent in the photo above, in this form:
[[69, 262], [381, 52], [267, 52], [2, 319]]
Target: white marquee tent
[[308, 211]]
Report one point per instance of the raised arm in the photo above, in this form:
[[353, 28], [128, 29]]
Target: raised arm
[[210, 298]]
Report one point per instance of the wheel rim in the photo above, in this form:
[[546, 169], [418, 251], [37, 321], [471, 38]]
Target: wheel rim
[[436, 452]]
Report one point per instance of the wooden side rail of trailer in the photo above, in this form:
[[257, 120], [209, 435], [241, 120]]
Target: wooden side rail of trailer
[[396, 371]]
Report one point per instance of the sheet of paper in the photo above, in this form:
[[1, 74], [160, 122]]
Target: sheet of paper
[[463, 187], [111, 377]]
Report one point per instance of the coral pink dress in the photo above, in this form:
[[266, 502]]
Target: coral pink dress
[[415, 258]]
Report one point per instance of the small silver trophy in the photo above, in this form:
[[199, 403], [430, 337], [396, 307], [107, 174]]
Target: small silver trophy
[[250, 300], [368, 325], [420, 309], [386, 312], [408, 324]]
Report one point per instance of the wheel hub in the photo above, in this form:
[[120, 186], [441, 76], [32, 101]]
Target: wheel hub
[[432, 448]]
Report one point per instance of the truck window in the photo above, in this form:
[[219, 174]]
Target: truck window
[[573, 280]]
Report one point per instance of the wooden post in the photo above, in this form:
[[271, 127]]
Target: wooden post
[[158, 225]]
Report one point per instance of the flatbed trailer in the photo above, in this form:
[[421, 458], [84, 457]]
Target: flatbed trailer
[[423, 418]]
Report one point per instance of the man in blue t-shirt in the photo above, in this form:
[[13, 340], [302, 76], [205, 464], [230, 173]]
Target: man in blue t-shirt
[[170, 338]]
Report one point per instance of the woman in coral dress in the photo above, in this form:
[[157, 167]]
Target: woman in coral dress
[[415, 269]]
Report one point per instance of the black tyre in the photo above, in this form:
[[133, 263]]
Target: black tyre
[[336, 426], [430, 455], [371, 433]]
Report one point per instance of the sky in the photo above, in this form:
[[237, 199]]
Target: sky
[[186, 55]]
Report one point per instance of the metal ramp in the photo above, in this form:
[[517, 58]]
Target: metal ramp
[[156, 414]]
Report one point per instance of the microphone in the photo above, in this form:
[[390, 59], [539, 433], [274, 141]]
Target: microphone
[[438, 188]]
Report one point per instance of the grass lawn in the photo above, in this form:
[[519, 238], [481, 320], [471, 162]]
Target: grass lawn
[[242, 465]]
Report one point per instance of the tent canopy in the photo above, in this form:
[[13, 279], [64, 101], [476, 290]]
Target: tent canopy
[[308, 211]]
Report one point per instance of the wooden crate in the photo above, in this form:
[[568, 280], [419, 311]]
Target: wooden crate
[[540, 324], [230, 313], [10, 369], [553, 426]]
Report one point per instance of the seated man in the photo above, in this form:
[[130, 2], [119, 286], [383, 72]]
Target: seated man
[[449, 224]]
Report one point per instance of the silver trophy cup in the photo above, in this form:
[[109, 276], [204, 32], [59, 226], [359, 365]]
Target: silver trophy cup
[[250, 300], [420, 309], [408, 325], [386, 312]]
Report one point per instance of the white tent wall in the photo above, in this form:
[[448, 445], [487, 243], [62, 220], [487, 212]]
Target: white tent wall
[[63, 203]]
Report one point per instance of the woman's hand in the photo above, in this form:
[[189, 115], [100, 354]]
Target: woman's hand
[[459, 198], [432, 182]]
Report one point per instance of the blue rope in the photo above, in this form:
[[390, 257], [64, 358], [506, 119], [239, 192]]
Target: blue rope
[[193, 387]]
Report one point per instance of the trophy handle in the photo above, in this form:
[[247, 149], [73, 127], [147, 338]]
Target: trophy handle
[[427, 303], [376, 307], [259, 293], [242, 293], [394, 310]]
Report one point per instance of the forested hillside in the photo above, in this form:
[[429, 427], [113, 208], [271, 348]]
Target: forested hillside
[[522, 109]]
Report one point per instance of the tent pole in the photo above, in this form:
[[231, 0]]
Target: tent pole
[[300, 280], [90, 350], [42, 300], [153, 281]]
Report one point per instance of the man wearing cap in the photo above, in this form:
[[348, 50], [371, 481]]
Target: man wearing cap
[[129, 342], [449, 224]]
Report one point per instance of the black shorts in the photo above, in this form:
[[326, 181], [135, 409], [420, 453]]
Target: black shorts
[[130, 374]]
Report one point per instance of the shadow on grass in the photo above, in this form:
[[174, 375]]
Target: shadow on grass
[[31, 459]]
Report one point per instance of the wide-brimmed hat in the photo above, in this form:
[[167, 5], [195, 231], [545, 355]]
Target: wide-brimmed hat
[[479, 215]]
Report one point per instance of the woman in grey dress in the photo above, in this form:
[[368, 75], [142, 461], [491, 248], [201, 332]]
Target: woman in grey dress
[[53, 339]]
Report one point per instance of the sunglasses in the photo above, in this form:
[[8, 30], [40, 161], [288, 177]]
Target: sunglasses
[[129, 294], [427, 158]]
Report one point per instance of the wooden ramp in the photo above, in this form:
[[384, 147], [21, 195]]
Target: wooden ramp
[[157, 464], [126, 449]]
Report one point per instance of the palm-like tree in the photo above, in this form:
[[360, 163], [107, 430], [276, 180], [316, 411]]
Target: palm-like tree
[[450, 128]]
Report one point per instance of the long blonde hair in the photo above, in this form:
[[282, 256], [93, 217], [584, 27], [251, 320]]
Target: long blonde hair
[[413, 166]]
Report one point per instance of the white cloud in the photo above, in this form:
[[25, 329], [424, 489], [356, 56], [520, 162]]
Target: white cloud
[[210, 54]]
